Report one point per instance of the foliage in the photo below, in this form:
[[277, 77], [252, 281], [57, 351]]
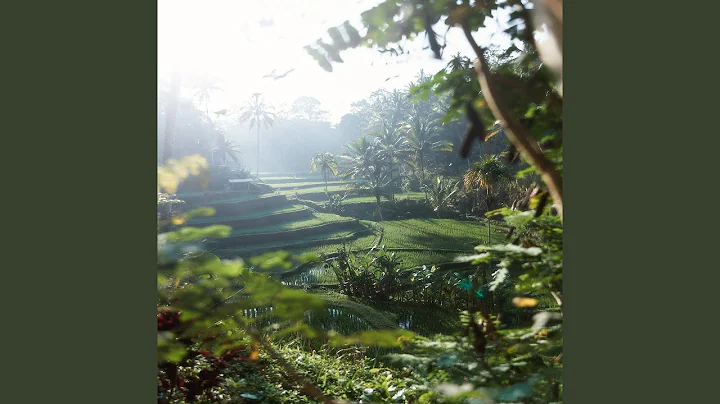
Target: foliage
[[375, 276], [441, 194], [326, 164], [226, 148], [203, 301], [334, 203], [491, 174], [422, 137], [256, 113], [308, 108], [520, 86]]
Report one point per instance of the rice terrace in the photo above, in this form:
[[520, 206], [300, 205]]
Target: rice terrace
[[400, 242]]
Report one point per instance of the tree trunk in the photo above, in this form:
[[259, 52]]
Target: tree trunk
[[170, 117], [488, 220], [257, 170], [422, 170], [377, 199], [515, 131]]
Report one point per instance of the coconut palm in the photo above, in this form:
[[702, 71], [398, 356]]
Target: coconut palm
[[366, 165], [458, 63], [226, 148], [256, 112], [326, 164], [205, 87], [491, 173], [421, 134], [391, 145]]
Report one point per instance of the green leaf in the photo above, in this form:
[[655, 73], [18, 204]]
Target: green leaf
[[188, 234], [510, 248], [475, 259], [383, 338]]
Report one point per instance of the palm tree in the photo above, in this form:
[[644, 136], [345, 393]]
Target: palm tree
[[257, 112], [458, 63], [359, 146], [325, 162], [205, 87], [391, 146], [490, 174], [421, 134], [366, 165], [227, 148]]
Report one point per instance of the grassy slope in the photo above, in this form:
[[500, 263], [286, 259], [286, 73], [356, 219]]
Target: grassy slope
[[422, 234], [274, 211], [371, 199], [318, 219]]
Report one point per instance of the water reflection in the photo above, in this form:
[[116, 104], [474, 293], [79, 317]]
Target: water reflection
[[332, 318], [314, 276]]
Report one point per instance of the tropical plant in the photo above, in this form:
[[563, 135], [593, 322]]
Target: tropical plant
[[205, 86], [365, 165], [256, 112], [226, 148], [514, 96], [326, 164], [391, 147], [375, 276], [334, 203], [421, 134], [206, 307], [441, 194], [490, 174]]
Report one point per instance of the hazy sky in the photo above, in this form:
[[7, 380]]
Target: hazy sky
[[240, 41]]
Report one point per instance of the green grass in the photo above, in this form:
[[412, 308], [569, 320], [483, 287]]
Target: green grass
[[313, 190], [318, 219], [308, 184], [371, 199], [243, 198], [359, 243], [288, 179], [429, 236], [332, 238], [446, 234], [268, 212]]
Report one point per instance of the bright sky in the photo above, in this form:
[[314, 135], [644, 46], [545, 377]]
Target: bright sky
[[240, 41]]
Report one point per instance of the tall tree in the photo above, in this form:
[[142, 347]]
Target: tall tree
[[506, 95], [226, 148], [491, 173], [365, 164], [256, 112], [308, 108], [326, 164], [422, 136], [171, 115], [205, 86], [391, 147]]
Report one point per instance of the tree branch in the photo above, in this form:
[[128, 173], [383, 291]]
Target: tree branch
[[516, 132]]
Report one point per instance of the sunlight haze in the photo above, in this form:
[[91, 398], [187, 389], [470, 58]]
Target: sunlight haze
[[238, 42]]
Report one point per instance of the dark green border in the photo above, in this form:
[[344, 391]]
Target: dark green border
[[78, 285], [636, 159]]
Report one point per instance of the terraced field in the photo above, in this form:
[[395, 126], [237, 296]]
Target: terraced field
[[271, 221], [399, 197], [284, 186], [420, 241]]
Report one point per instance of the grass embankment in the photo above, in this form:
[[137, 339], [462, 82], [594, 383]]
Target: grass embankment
[[421, 241]]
